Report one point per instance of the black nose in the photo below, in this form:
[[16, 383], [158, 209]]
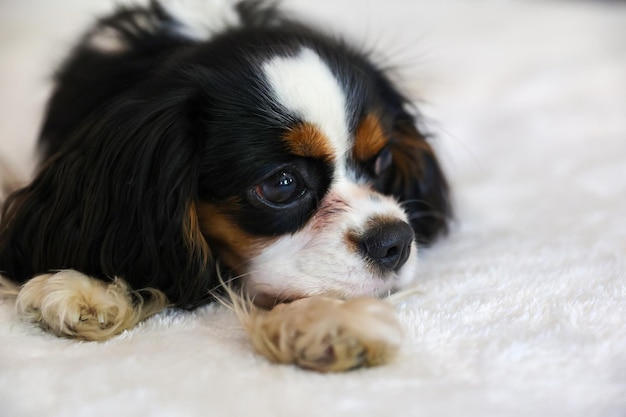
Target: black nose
[[388, 244]]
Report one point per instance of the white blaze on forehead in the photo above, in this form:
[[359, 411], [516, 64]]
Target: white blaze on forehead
[[305, 86]]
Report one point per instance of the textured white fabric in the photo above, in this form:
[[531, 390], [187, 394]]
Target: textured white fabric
[[520, 311]]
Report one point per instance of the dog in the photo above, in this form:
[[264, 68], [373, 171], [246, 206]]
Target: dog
[[189, 142]]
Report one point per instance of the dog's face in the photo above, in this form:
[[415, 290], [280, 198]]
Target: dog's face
[[271, 152], [311, 176]]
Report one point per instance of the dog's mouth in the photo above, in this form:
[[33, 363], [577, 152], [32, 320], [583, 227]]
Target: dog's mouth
[[268, 301]]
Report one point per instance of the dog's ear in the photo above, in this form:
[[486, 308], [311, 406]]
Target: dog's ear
[[118, 199], [413, 174], [416, 179]]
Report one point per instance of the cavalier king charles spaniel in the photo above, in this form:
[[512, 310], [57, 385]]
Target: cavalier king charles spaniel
[[186, 142]]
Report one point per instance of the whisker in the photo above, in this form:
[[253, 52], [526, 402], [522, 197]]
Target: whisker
[[400, 296], [414, 200], [427, 214], [237, 301]]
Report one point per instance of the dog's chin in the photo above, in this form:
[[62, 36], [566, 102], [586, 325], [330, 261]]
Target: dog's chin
[[268, 299]]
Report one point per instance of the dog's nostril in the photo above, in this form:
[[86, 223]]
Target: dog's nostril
[[388, 244]]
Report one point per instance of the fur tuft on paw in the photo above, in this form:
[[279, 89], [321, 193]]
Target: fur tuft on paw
[[323, 334]]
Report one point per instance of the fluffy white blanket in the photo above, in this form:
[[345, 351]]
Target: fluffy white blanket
[[520, 311]]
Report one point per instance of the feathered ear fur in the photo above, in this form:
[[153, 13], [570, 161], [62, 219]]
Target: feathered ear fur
[[416, 178], [118, 199]]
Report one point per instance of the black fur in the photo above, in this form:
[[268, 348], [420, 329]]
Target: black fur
[[133, 141]]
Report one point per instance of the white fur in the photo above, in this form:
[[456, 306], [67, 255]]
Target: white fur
[[198, 20], [107, 40], [306, 87], [201, 19], [520, 312], [317, 260]]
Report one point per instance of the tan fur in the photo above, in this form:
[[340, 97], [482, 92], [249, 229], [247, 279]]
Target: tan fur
[[69, 303], [9, 179], [8, 289], [318, 333], [370, 138], [194, 238], [308, 141], [235, 244], [321, 333]]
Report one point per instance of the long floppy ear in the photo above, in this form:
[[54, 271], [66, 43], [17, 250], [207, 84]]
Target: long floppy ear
[[118, 199], [414, 176], [416, 179]]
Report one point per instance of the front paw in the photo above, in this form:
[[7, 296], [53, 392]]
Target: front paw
[[69, 303], [328, 335]]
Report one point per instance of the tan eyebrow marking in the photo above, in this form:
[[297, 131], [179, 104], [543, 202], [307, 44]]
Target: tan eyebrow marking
[[369, 139], [234, 245], [306, 140]]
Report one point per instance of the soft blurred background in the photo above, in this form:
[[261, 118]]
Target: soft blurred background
[[521, 310], [481, 61]]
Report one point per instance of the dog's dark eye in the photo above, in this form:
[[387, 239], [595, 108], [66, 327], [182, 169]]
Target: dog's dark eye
[[281, 188], [383, 161]]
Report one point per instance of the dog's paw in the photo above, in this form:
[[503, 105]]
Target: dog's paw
[[69, 303], [326, 334]]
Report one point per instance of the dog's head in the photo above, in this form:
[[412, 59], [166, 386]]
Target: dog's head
[[313, 178], [286, 159]]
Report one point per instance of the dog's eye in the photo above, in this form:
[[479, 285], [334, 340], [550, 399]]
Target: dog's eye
[[281, 188], [383, 161]]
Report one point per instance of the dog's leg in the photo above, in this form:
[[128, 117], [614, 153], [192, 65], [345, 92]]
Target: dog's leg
[[69, 303], [325, 334]]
